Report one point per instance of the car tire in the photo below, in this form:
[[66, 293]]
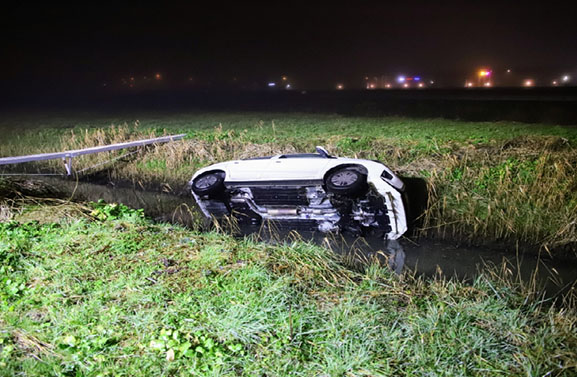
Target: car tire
[[346, 182], [209, 183]]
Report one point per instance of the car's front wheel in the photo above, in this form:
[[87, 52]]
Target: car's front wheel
[[346, 182], [209, 183]]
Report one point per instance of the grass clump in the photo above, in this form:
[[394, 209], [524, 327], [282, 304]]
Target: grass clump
[[118, 295]]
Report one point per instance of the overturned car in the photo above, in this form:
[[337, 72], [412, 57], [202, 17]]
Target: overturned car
[[309, 191]]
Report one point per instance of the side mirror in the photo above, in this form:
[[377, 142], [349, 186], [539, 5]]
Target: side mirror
[[323, 152]]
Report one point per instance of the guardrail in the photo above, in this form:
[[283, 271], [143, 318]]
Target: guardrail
[[67, 156]]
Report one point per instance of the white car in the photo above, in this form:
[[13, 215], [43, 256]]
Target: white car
[[311, 191]]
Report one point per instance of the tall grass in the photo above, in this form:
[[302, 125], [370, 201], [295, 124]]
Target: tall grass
[[527, 192]]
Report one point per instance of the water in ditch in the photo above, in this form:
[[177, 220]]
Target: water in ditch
[[553, 275]]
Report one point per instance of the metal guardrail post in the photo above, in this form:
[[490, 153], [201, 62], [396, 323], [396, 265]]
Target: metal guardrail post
[[68, 164]]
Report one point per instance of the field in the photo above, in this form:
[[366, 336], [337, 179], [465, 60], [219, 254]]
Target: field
[[96, 289], [507, 182]]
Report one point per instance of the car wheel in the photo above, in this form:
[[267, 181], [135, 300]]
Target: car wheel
[[346, 182], [208, 183]]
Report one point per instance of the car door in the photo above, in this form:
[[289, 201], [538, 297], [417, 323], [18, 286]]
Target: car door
[[247, 170], [294, 169]]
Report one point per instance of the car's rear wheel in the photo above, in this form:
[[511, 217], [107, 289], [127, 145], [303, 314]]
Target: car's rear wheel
[[346, 181], [209, 183]]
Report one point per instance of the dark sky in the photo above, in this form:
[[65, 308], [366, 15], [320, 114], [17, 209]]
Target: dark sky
[[315, 45]]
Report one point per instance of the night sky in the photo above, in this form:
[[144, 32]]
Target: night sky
[[314, 45]]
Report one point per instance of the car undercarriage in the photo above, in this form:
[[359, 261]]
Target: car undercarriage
[[299, 207]]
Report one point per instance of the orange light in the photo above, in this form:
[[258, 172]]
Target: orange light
[[528, 82], [284, 78], [158, 76]]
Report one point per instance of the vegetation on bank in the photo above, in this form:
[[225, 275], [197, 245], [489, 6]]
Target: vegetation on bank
[[100, 291], [487, 181]]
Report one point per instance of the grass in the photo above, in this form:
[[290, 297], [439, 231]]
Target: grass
[[102, 291], [487, 181]]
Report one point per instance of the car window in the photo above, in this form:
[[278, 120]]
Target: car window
[[258, 158], [302, 155]]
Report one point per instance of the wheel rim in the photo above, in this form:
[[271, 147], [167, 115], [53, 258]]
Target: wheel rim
[[206, 181], [344, 178]]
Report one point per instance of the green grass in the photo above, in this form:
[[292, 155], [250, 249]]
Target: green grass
[[116, 295], [487, 181]]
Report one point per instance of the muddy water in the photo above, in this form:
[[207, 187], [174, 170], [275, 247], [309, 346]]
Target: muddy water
[[554, 275]]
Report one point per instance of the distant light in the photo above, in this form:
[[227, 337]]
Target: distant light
[[421, 85], [528, 82], [565, 78], [484, 73], [469, 84], [405, 85], [372, 86], [555, 82], [366, 77], [508, 71], [487, 84], [401, 79], [387, 86], [158, 76], [132, 79], [271, 84], [432, 82], [288, 86], [284, 78], [417, 78], [340, 87]]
